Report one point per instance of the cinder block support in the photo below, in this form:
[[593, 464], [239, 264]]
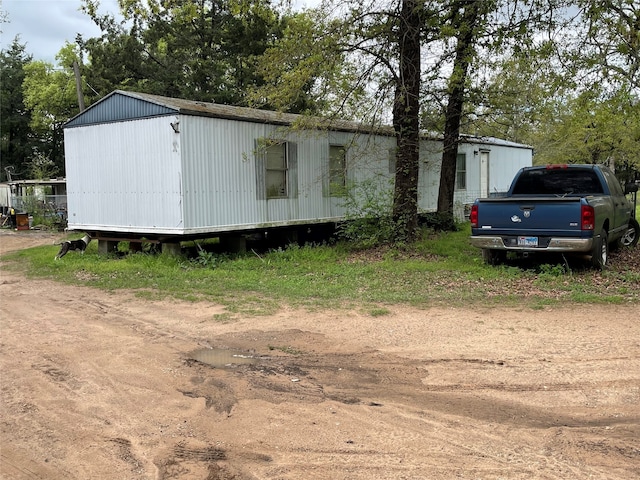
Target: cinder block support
[[105, 247], [171, 248]]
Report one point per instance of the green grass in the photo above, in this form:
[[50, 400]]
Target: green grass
[[440, 269]]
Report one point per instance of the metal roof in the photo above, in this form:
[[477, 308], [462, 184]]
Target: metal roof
[[50, 181], [122, 105], [465, 138]]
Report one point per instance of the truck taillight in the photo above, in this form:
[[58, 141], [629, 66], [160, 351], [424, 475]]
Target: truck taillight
[[588, 217], [473, 216]]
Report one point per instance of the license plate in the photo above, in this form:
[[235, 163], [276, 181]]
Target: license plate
[[527, 241]]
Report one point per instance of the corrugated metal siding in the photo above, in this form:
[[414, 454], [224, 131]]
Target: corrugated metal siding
[[117, 107], [505, 159], [218, 181], [125, 177], [504, 162], [141, 176], [429, 178], [220, 176]]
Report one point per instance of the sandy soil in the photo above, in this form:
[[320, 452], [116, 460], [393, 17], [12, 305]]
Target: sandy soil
[[103, 385]]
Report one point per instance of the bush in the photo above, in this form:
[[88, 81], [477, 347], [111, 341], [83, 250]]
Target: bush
[[440, 222], [45, 214], [368, 221]]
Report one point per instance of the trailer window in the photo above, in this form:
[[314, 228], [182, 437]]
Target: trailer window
[[276, 166], [276, 170], [461, 171], [337, 170]]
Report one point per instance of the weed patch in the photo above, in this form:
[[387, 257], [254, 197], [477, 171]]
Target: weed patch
[[439, 269]]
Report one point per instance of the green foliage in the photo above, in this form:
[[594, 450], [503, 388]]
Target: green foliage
[[51, 96], [16, 138], [292, 67], [368, 220], [447, 244], [595, 128], [379, 312], [198, 50], [206, 259], [440, 269], [611, 47], [565, 84], [44, 215], [209, 259], [516, 99], [552, 270], [42, 167], [573, 96], [440, 221]]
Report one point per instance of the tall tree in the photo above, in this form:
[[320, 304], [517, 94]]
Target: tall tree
[[454, 33], [51, 95], [520, 94], [366, 64], [304, 71], [406, 112], [574, 94], [202, 50], [116, 60], [609, 33], [524, 29], [16, 136], [467, 18], [595, 127]]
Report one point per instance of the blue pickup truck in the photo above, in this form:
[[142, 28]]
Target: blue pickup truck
[[556, 208]]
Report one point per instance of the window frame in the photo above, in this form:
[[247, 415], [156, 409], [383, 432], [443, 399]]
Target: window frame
[[288, 168], [339, 188], [283, 170], [461, 173]]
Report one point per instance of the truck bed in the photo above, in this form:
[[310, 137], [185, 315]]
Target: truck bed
[[532, 223]]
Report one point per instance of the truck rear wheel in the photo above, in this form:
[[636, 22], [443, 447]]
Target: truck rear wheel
[[630, 237], [600, 251], [493, 257]]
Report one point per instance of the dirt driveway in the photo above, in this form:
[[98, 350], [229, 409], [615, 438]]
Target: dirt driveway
[[100, 385]]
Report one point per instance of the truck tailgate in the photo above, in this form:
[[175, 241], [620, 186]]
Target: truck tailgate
[[537, 216]]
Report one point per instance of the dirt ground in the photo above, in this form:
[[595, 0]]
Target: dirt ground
[[99, 385]]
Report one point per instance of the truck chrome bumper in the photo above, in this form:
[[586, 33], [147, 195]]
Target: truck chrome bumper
[[555, 244]]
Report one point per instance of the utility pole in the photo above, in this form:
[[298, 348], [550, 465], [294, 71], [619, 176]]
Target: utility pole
[[76, 71]]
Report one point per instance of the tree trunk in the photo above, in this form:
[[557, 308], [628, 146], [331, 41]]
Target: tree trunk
[[468, 13], [406, 123]]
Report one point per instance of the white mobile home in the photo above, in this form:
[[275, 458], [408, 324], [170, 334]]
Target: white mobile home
[[141, 165]]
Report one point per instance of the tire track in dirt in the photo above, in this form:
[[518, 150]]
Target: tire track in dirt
[[100, 385]]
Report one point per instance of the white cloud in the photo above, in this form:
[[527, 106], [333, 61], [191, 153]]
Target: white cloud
[[45, 25]]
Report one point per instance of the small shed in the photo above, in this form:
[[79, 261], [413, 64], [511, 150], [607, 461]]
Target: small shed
[[35, 196], [145, 166]]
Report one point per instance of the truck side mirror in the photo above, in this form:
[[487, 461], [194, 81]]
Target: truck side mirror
[[630, 188]]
